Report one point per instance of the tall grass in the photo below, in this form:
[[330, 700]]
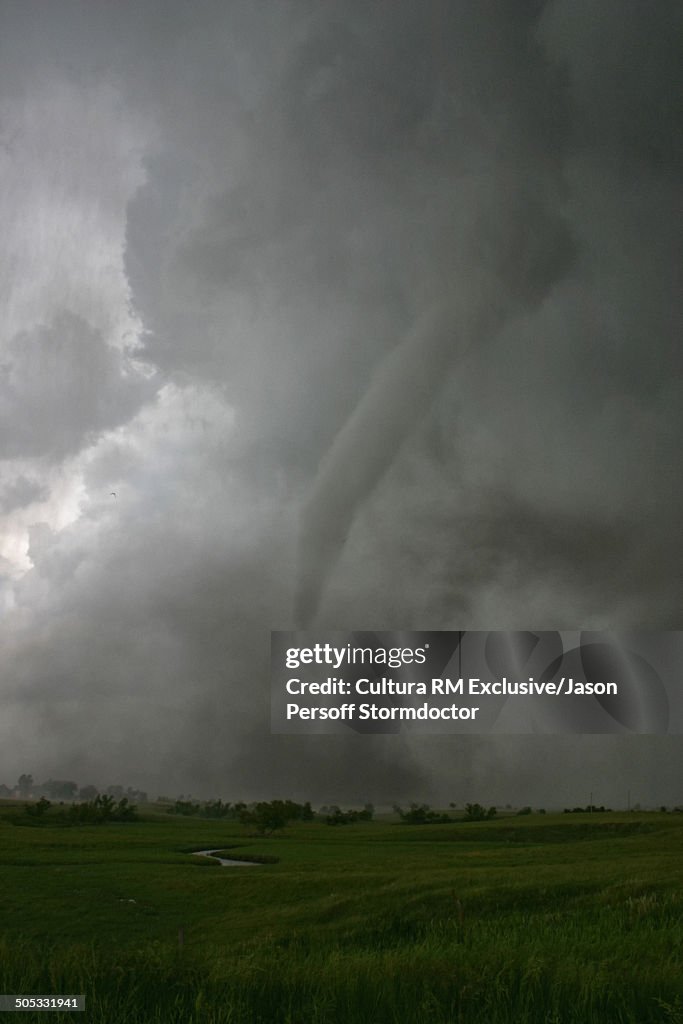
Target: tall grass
[[605, 966], [374, 928]]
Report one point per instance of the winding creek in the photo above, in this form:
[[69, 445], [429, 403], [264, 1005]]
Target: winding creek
[[223, 861]]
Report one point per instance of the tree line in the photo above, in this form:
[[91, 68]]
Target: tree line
[[422, 814], [99, 811], [67, 791]]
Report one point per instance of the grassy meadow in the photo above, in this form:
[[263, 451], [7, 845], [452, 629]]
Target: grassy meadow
[[550, 919]]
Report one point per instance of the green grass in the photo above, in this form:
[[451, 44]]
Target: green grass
[[542, 919]]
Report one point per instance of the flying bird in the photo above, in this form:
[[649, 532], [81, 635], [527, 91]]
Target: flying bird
[[113, 494]]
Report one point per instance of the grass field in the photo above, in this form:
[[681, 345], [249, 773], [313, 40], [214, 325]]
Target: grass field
[[545, 919]]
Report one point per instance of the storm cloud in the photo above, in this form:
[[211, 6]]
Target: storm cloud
[[367, 314]]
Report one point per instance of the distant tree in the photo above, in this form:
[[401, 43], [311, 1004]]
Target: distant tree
[[60, 789], [88, 792], [476, 812], [38, 809], [25, 785], [100, 811], [124, 811], [338, 817], [185, 807], [216, 809], [104, 805], [269, 815], [307, 813], [590, 809], [266, 816], [421, 814], [133, 794]]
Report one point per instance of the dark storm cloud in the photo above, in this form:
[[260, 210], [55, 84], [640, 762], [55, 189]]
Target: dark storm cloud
[[351, 177], [322, 180], [162, 672], [624, 75], [61, 384]]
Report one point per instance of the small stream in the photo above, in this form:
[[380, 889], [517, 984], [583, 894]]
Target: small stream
[[226, 863]]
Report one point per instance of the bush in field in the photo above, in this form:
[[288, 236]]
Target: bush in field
[[99, 811], [268, 816], [338, 817], [185, 807], [421, 814], [476, 812], [217, 809], [38, 810], [208, 809]]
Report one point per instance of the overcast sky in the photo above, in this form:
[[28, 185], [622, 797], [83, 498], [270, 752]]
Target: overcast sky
[[369, 316]]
